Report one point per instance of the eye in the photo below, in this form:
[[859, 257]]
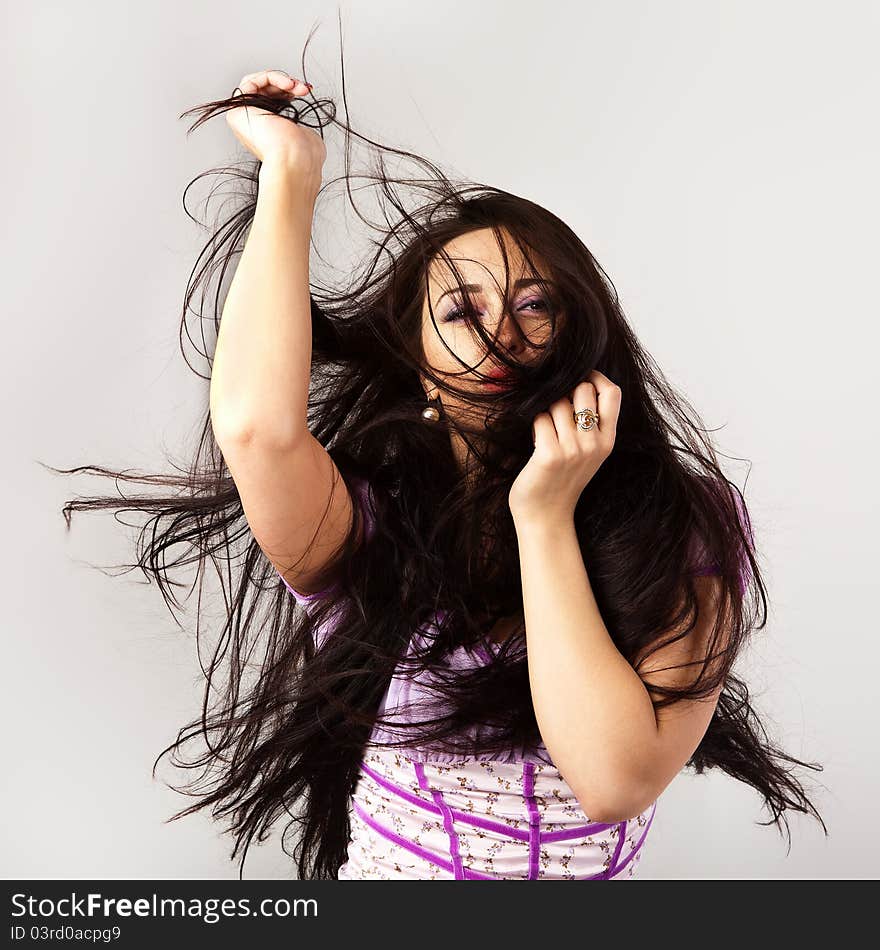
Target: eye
[[537, 301], [459, 312]]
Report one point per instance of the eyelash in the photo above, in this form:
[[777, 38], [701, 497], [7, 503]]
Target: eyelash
[[454, 315]]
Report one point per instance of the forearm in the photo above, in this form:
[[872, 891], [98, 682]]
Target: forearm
[[594, 713], [262, 361]]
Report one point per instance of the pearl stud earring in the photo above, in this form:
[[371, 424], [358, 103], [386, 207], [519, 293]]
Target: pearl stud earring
[[432, 413]]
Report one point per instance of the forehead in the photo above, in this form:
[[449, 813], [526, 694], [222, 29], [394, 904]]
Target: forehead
[[478, 259]]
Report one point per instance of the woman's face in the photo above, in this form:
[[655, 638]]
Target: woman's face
[[518, 334]]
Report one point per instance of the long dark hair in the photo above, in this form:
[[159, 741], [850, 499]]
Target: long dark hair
[[441, 555]]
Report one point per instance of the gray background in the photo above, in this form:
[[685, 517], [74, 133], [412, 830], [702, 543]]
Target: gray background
[[719, 160]]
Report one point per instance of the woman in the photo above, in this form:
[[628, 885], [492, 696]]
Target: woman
[[523, 576]]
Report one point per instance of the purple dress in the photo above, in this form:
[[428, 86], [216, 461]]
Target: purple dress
[[435, 816]]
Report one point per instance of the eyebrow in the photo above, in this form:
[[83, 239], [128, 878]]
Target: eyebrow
[[470, 288]]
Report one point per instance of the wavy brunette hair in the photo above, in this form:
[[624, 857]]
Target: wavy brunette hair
[[286, 715]]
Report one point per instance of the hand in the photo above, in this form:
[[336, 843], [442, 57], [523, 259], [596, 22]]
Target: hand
[[566, 457], [269, 135]]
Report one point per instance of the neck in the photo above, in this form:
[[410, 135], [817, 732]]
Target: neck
[[464, 457]]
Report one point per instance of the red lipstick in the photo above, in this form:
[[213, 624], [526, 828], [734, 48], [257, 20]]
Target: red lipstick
[[498, 378]]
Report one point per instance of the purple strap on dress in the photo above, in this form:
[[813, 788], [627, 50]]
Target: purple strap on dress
[[534, 818], [534, 835], [466, 873], [485, 823], [448, 824]]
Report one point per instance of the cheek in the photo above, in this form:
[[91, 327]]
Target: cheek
[[442, 346], [538, 335]]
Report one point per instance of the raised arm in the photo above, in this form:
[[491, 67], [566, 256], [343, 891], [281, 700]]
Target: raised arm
[[289, 485]]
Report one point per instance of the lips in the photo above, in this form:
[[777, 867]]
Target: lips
[[497, 375], [497, 381]]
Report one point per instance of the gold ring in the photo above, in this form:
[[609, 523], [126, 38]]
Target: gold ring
[[586, 419]]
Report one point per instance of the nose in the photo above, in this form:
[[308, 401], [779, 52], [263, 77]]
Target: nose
[[508, 336]]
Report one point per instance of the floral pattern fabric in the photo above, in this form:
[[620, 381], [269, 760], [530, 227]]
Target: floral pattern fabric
[[480, 819]]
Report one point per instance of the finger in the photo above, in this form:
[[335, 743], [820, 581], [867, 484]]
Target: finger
[[609, 398], [261, 78], [600, 380], [543, 431], [254, 80], [562, 415], [571, 436], [248, 87], [273, 82], [584, 396], [287, 83], [269, 89]]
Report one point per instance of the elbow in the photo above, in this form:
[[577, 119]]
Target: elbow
[[621, 802], [237, 434]]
